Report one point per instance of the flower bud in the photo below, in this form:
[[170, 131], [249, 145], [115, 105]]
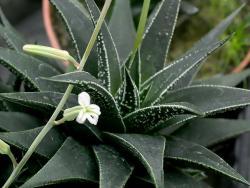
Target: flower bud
[[49, 52], [4, 148]]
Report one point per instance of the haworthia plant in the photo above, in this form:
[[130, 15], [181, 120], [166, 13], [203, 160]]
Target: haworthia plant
[[156, 121]]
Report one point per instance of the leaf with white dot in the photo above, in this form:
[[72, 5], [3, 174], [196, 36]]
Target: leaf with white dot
[[151, 118], [127, 98], [158, 36], [194, 154], [108, 59]]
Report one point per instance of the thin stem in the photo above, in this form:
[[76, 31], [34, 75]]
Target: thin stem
[[140, 29], [50, 124], [13, 159]]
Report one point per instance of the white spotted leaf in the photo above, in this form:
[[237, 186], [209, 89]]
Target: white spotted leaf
[[109, 72], [71, 163], [119, 169], [152, 118], [210, 99], [149, 150], [158, 36], [191, 153], [164, 80], [127, 96]]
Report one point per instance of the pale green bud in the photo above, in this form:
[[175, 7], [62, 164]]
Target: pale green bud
[[4, 148], [50, 53]]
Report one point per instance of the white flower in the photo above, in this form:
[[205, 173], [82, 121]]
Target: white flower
[[85, 111]]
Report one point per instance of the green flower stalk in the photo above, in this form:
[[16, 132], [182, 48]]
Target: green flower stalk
[[5, 150]]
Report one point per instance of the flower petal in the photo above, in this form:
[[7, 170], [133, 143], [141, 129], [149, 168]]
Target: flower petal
[[84, 99], [94, 108], [81, 118], [93, 118]]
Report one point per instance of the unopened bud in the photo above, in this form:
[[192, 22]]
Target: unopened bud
[[49, 52], [4, 148]]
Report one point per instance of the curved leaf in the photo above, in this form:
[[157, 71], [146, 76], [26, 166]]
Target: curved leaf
[[79, 27], [110, 120], [207, 40], [210, 99], [114, 170], [175, 123], [41, 101], [158, 36], [72, 162], [173, 74], [122, 28], [135, 69], [208, 132], [23, 140], [27, 67], [225, 80], [152, 118], [148, 150], [182, 150], [108, 59], [16, 121], [127, 96], [77, 21], [177, 179]]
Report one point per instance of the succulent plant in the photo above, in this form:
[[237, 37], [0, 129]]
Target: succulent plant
[[157, 124]]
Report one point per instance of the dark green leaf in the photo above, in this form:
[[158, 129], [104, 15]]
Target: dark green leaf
[[114, 170], [143, 93], [210, 99], [157, 39], [76, 76], [13, 39], [225, 80], [77, 21], [148, 150], [152, 118], [207, 40], [127, 96], [174, 178], [175, 123], [173, 74], [72, 162], [24, 139], [15, 121], [26, 67], [177, 179], [182, 150], [79, 27], [135, 69], [110, 120], [41, 101], [108, 59], [208, 132], [122, 28]]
